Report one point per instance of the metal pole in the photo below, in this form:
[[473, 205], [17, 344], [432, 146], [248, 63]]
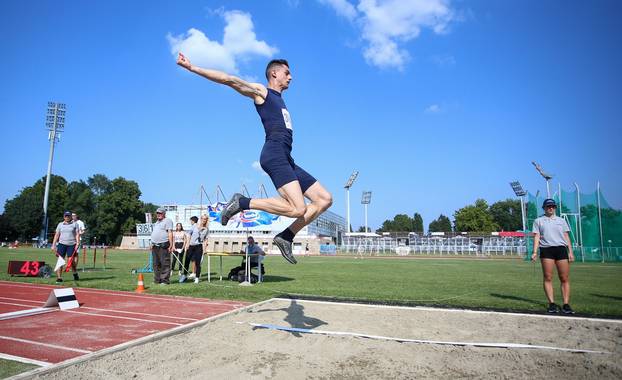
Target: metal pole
[[548, 189], [579, 228], [522, 212], [348, 210], [600, 223], [559, 188], [52, 138], [365, 218]]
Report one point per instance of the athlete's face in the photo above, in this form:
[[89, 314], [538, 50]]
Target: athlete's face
[[549, 210], [283, 76]]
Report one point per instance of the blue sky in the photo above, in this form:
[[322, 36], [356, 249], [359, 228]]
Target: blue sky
[[436, 103]]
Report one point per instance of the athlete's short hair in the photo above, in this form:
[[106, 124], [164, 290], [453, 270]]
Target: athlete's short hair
[[275, 62], [194, 219]]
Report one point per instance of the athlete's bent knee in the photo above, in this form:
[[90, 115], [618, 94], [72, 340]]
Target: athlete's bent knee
[[299, 212]]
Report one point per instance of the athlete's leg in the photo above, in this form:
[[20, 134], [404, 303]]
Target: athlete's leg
[[548, 266], [290, 204], [320, 199], [563, 271]]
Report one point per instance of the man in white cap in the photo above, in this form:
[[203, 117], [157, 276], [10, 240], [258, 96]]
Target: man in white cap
[[161, 247]]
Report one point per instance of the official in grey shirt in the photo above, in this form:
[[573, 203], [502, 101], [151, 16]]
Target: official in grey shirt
[[161, 247], [66, 237], [551, 237]]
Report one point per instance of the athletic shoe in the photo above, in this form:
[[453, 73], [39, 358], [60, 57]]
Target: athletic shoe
[[230, 209], [163, 284], [286, 249], [59, 280], [566, 309], [196, 280], [182, 279], [76, 277], [552, 309], [192, 276]]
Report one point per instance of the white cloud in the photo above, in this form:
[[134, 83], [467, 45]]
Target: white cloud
[[386, 25], [443, 60], [257, 166], [239, 42], [434, 108], [342, 7]]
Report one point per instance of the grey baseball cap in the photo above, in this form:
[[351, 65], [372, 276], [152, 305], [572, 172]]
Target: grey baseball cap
[[161, 210]]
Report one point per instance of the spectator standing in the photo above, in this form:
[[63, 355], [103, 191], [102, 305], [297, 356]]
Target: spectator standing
[[161, 247], [65, 242], [197, 244], [180, 237], [82, 227]]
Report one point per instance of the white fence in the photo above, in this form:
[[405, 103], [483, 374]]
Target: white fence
[[434, 245]]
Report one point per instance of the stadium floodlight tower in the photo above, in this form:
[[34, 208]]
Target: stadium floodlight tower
[[547, 177], [347, 187], [365, 200], [520, 192], [55, 124]]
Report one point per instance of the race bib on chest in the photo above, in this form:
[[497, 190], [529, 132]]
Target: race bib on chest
[[286, 118]]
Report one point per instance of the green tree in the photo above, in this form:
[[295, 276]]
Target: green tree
[[475, 218], [7, 232], [117, 211], [442, 224], [400, 223], [417, 223], [24, 213], [507, 214]]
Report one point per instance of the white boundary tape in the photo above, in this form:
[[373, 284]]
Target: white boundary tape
[[437, 342], [467, 311]]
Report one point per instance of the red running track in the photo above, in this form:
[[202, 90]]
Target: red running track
[[105, 319]]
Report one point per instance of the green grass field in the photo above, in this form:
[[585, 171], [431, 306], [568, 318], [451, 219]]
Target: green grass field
[[505, 284]]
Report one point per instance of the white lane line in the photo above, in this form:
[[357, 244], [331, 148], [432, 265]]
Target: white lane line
[[149, 338], [45, 344], [15, 304], [424, 308], [100, 309], [127, 294], [137, 313], [120, 317], [24, 360], [19, 299]]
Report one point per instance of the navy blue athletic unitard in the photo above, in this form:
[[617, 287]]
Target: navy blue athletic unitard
[[276, 159]]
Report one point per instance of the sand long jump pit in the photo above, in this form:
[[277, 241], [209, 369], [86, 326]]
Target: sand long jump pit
[[302, 339]]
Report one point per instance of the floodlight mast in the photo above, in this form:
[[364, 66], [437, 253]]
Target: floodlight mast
[[547, 177], [365, 200], [55, 124], [347, 187], [518, 190]]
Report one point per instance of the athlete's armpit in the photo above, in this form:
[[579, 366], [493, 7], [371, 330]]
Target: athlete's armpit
[[252, 90]]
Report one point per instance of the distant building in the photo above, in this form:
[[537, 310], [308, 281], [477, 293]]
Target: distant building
[[327, 228]]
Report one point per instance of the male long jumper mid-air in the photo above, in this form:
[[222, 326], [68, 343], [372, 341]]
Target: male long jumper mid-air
[[291, 181]]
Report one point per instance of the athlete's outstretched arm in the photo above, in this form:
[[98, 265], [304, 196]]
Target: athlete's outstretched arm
[[255, 91]]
